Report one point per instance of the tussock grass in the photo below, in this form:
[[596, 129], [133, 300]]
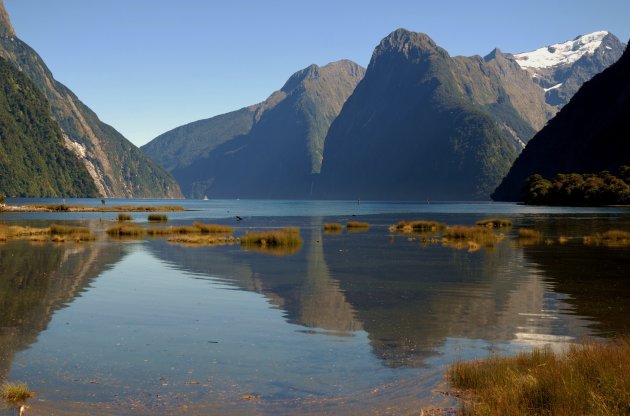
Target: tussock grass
[[357, 226], [63, 233], [8, 232], [529, 234], [472, 238], [157, 218], [333, 227], [494, 223], [15, 393], [589, 379], [286, 237], [124, 217], [213, 228], [612, 238], [204, 240], [125, 230], [418, 226]]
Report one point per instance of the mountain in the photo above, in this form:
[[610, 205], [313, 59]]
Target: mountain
[[562, 68], [268, 150], [33, 159], [588, 135], [424, 125], [117, 167]]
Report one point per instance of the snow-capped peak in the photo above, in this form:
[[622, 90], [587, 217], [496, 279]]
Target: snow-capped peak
[[561, 53]]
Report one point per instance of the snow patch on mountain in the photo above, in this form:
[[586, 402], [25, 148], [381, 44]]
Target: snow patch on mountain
[[561, 53]]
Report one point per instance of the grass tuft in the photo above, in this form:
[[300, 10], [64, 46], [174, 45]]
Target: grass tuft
[[124, 217], [612, 238], [126, 230], [495, 223], [418, 226], [286, 237], [332, 227], [15, 393], [590, 378], [213, 228], [157, 218], [357, 225], [204, 240], [529, 234]]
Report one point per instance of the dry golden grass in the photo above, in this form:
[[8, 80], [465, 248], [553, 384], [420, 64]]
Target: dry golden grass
[[357, 226], [590, 379], [612, 238], [333, 227], [8, 232], [495, 223], [418, 226], [204, 240], [286, 237], [124, 217], [126, 230], [529, 234], [15, 393], [213, 228], [470, 238]]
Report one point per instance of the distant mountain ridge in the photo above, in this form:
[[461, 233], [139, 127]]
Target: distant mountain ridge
[[117, 167], [589, 134], [268, 150], [420, 125]]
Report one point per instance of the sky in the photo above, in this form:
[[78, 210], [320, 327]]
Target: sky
[[148, 66]]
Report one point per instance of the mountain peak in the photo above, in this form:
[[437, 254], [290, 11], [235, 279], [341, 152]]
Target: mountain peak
[[564, 53], [402, 39], [6, 28]]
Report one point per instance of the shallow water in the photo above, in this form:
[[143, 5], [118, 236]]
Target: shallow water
[[351, 323]]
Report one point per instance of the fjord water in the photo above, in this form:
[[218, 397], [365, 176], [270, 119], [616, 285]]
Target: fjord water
[[351, 323]]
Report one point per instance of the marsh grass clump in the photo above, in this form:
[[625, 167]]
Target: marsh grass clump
[[612, 238], [125, 230], [418, 226], [589, 379], [15, 393], [62, 233], [124, 217], [157, 218], [471, 238], [333, 227], [286, 237], [213, 228], [204, 240], [494, 223], [357, 226], [530, 234], [8, 232]]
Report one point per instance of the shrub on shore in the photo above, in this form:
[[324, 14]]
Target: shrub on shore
[[588, 379]]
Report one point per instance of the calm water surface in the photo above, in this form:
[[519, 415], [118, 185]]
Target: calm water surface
[[352, 323]]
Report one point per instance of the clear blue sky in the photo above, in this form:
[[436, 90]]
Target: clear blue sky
[[147, 66]]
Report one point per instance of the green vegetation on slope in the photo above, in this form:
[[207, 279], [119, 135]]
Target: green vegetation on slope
[[33, 159], [576, 189]]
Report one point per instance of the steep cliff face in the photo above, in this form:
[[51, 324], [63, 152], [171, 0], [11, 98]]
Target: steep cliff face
[[117, 167], [33, 158], [268, 150], [588, 135]]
